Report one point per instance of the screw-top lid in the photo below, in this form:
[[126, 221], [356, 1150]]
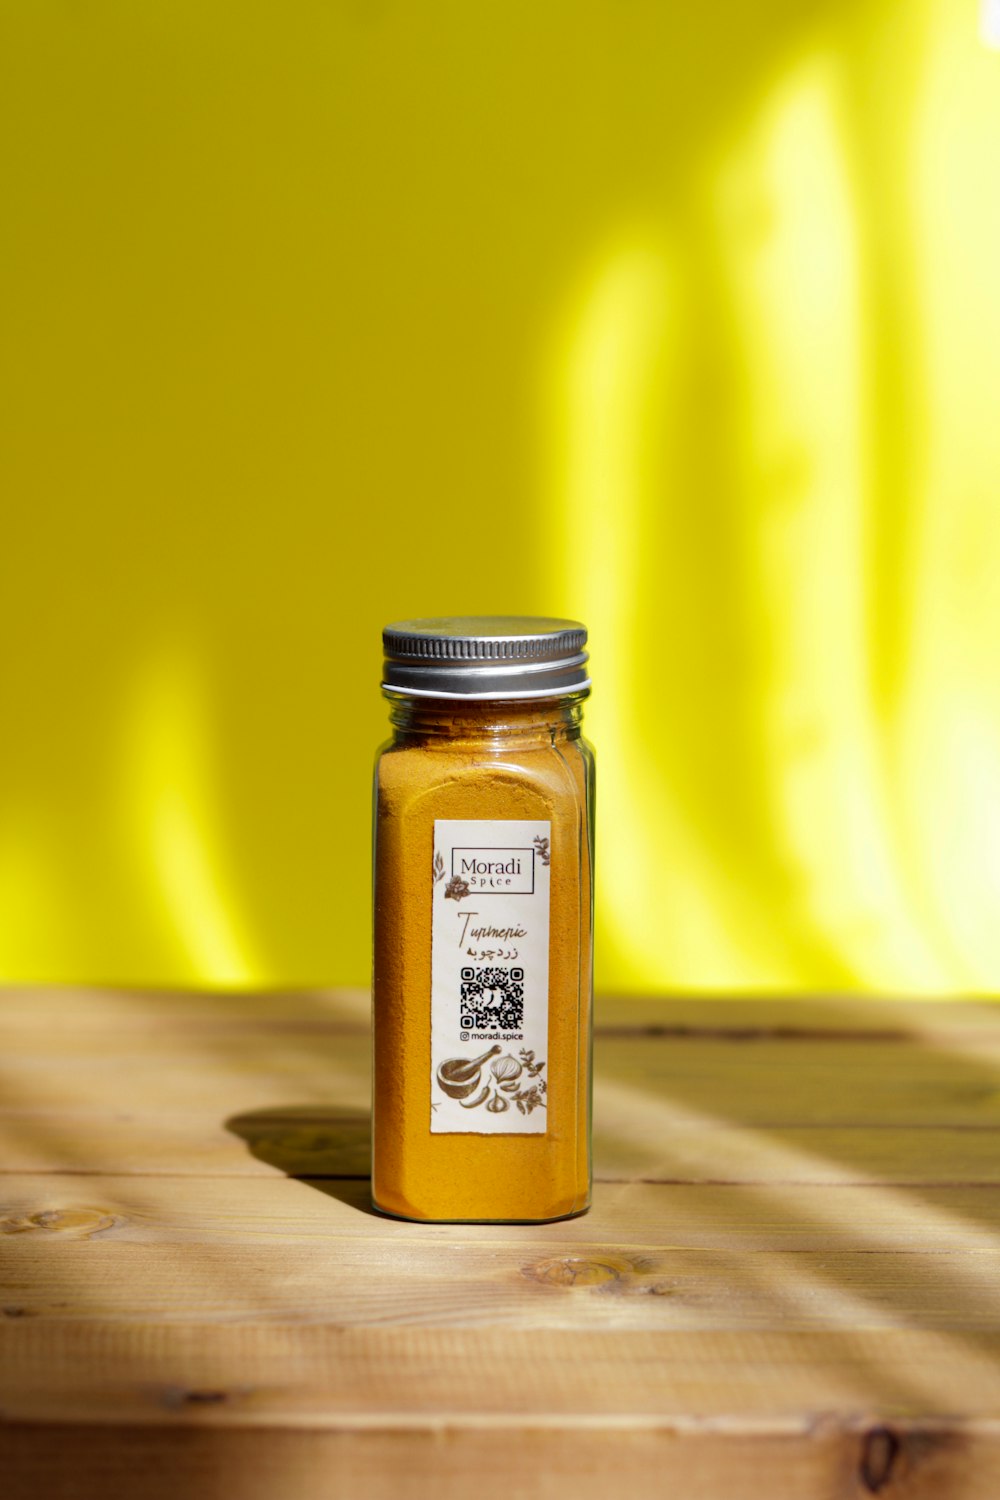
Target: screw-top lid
[[485, 656]]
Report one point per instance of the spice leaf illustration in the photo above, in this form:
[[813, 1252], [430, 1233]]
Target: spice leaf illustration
[[456, 889], [532, 1099], [542, 846], [438, 867]]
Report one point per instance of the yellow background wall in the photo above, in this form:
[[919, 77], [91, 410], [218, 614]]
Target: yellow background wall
[[684, 320]]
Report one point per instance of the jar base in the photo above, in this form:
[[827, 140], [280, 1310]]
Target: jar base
[[416, 1218]]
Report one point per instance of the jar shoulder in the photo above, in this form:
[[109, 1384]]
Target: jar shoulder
[[556, 774]]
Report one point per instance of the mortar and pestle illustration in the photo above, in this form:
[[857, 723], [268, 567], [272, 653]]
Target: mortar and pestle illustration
[[458, 1076]]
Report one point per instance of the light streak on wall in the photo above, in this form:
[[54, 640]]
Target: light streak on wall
[[856, 514], [990, 23], [170, 810], [665, 903], [801, 320], [950, 740]]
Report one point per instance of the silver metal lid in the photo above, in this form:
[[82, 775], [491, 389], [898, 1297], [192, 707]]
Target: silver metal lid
[[485, 656]]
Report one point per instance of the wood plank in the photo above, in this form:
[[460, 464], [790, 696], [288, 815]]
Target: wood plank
[[302, 1140], [228, 1071], [321, 1376], [819, 1017], [486, 1286], [313, 1140], [922, 1461], [925, 1461], [650, 1083], [781, 1155], [100, 1008], [217, 1251], [659, 1082], [42, 1008], [48, 1209]]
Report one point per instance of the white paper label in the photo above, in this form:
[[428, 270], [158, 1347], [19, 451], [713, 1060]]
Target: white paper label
[[490, 976]]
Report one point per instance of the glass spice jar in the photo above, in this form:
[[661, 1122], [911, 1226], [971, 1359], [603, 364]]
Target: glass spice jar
[[483, 921]]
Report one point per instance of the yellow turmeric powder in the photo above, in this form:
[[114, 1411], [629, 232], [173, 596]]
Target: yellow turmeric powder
[[482, 992]]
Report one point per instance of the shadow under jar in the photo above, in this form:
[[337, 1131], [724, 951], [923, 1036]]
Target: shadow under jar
[[483, 920]]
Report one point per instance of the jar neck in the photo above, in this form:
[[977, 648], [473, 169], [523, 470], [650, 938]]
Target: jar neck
[[500, 721]]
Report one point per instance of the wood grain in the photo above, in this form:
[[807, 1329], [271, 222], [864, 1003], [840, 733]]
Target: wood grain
[[789, 1283]]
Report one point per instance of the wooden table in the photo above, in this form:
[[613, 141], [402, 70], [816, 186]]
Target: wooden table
[[788, 1285]]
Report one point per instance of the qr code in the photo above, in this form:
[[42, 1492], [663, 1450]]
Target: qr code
[[492, 999]]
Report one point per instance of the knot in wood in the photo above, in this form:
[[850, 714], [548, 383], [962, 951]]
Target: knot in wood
[[179, 1397], [879, 1451], [576, 1270], [79, 1223]]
